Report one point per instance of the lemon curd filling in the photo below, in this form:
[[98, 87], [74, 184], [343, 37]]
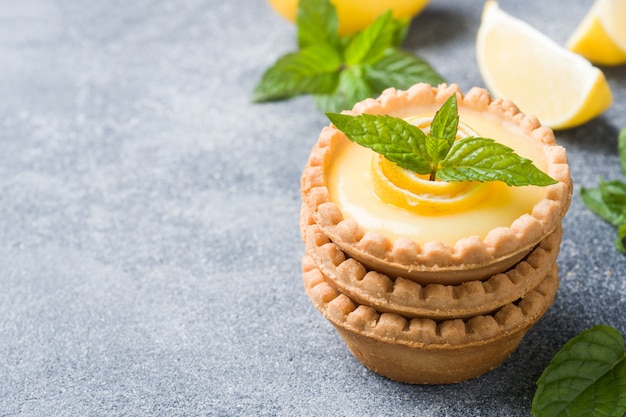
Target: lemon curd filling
[[395, 202]]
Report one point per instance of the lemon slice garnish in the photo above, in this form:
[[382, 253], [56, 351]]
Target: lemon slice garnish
[[408, 190]]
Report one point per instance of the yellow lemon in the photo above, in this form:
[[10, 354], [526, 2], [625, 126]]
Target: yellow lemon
[[355, 15], [601, 35], [517, 62], [614, 17]]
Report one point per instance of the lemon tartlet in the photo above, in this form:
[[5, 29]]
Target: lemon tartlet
[[446, 248], [430, 282]]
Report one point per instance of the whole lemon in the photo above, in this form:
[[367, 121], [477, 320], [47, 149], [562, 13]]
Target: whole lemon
[[355, 15]]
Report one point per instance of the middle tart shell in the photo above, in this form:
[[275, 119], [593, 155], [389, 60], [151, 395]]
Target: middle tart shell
[[437, 301]]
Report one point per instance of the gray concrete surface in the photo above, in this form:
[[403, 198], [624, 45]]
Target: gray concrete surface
[[149, 250]]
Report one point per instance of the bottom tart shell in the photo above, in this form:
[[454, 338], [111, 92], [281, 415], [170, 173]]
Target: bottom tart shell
[[436, 301], [421, 350]]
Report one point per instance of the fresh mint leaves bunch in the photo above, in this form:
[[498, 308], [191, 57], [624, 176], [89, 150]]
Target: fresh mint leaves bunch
[[342, 70], [608, 199], [587, 377], [438, 154]]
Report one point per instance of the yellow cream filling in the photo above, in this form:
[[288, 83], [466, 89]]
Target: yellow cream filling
[[385, 198]]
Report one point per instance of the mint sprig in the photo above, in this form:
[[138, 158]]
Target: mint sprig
[[587, 377], [608, 199], [438, 154], [342, 70]]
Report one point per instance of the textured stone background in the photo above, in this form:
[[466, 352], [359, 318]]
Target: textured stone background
[[150, 253]]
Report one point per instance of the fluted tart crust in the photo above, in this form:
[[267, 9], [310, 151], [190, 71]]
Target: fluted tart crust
[[470, 257], [436, 301], [423, 350]]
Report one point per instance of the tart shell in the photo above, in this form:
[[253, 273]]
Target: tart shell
[[422, 350], [436, 301], [469, 258]]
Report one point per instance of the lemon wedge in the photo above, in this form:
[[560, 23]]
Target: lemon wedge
[[601, 35], [517, 62], [614, 17], [355, 15]]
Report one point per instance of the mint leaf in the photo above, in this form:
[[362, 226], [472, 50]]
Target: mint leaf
[[442, 134], [341, 70], [468, 159], [437, 149], [614, 197], [369, 45], [608, 200], [401, 70], [401, 30], [446, 122], [483, 159], [310, 70], [586, 377], [620, 242], [592, 197], [397, 140], [352, 88], [317, 23], [621, 149]]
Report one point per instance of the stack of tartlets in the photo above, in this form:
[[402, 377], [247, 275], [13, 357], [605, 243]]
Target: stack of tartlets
[[432, 297]]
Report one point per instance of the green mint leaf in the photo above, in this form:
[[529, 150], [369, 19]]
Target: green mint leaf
[[620, 242], [586, 377], [401, 70], [483, 159], [446, 122], [621, 149], [369, 45], [401, 30], [352, 88], [592, 197], [311, 70], [608, 200], [469, 159], [397, 140], [317, 23], [614, 197], [437, 149], [342, 70]]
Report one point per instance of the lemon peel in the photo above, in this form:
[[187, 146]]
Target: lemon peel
[[405, 189], [517, 62]]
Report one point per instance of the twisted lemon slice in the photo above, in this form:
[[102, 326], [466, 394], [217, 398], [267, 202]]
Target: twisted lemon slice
[[406, 189]]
